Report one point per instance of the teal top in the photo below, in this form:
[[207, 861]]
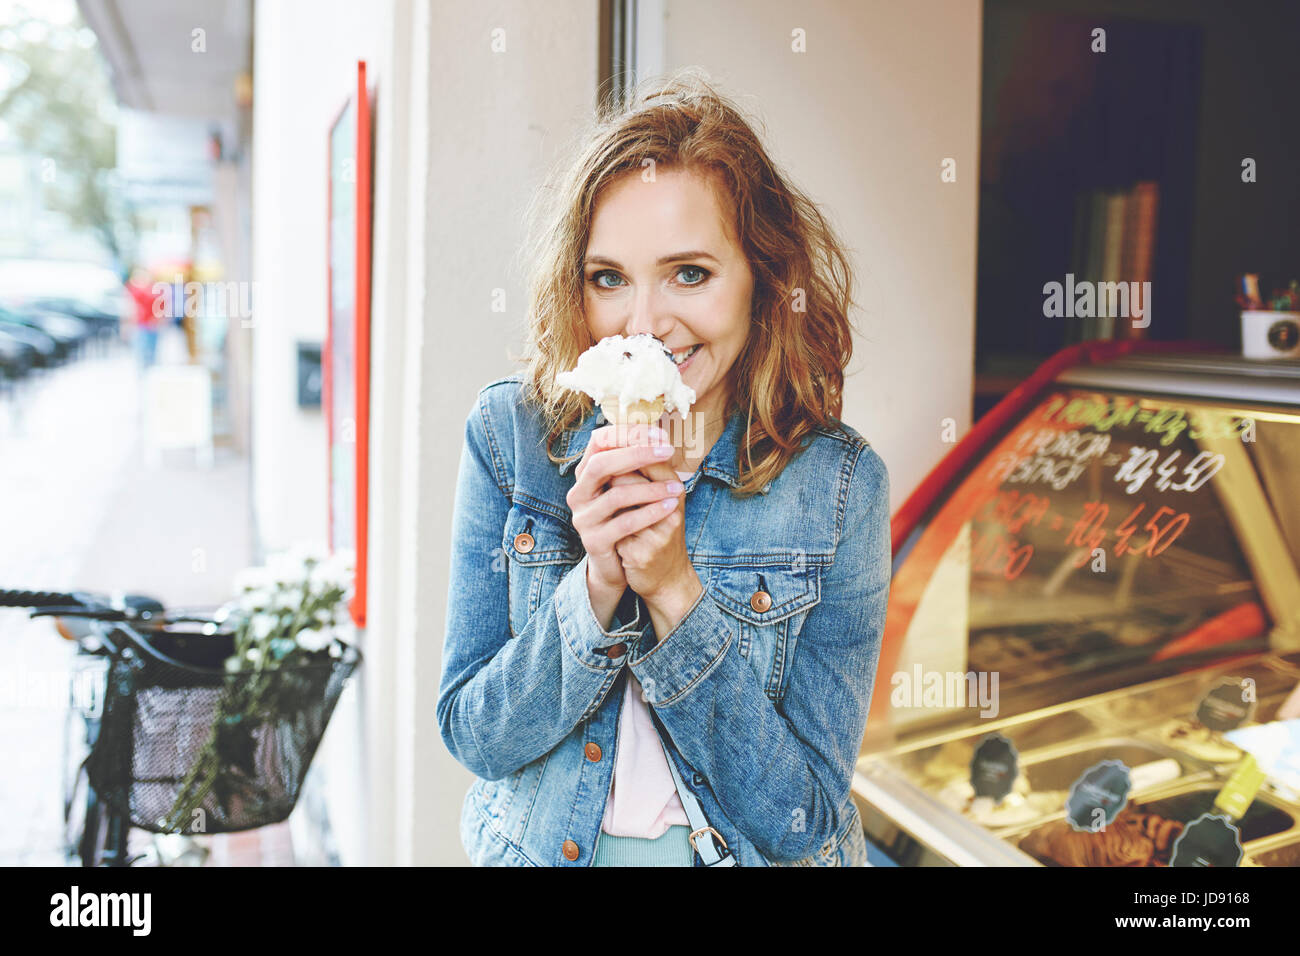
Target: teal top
[[671, 849]]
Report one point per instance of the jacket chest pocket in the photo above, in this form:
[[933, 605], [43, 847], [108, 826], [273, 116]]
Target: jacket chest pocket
[[538, 548], [768, 604]]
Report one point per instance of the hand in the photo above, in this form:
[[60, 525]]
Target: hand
[[656, 565], [610, 501]]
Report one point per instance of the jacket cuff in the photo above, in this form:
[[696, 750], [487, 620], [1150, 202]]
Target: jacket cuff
[[686, 654], [581, 631]]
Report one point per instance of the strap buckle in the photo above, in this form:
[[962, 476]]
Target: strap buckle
[[716, 835]]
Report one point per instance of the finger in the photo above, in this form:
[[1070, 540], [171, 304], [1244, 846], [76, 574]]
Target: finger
[[618, 461], [655, 535], [630, 522], [629, 495], [614, 436], [608, 437], [589, 517], [591, 485], [582, 493], [641, 546], [660, 471]]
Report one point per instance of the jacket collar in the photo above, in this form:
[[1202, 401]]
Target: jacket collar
[[720, 462]]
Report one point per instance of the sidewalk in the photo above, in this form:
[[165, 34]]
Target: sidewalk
[[81, 509]]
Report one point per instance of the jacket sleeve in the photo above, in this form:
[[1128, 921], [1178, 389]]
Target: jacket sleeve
[[782, 776], [505, 701]]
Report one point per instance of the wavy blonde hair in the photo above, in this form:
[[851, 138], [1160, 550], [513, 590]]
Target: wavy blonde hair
[[789, 377]]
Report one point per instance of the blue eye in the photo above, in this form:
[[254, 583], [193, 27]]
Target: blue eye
[[703, 275]]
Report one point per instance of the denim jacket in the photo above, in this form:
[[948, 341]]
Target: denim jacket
[[761, 690]]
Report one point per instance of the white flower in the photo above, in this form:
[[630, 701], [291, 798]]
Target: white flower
[[255, 600], [286, 569], [336, 650], [313, 639], [335, 572], [286, 600], [263, 625], [254, 654]]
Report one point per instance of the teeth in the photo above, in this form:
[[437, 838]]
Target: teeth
[[679, 359]]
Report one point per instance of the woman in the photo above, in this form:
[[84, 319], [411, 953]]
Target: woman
[[711, 592]]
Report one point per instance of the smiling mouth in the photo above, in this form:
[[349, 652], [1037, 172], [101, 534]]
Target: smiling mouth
[[684, 356]]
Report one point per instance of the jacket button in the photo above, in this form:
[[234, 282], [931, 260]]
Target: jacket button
[[592, 751], [523, 542], [570, 850], [761, 601], [618, 650]]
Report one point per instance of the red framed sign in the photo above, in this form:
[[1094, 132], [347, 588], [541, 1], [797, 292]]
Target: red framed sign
[[346, 394]]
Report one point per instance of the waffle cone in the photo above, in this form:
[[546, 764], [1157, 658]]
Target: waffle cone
[[638, 413]]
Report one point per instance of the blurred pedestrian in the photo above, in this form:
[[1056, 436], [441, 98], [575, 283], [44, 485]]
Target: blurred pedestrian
[[149, 308]]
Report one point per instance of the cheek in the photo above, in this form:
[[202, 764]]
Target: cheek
[[713, 319], [728, 321], [601, 318]]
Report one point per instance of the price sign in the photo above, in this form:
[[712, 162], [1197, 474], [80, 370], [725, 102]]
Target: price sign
[[994, 767], [1209, 840], [1229, 705], [1098, 796]]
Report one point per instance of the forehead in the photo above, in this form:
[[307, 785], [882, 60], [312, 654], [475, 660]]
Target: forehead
[[677, 206]]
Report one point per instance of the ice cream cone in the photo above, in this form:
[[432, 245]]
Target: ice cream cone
[[633, 378], [638, 413]]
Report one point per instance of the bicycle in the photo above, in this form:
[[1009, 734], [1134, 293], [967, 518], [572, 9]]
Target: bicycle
[[144, 718]]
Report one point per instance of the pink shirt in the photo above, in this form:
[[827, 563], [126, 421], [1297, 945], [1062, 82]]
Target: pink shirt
[[643, 800]]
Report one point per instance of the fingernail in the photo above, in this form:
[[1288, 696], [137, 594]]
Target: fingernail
[[675, 487], [663, 451], [669, 504]]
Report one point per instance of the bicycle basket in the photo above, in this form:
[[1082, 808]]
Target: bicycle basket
[[165, 700]]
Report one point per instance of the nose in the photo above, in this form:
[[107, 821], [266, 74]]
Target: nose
[[648, 315]]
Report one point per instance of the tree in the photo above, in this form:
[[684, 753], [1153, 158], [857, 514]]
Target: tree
[[59, 104]]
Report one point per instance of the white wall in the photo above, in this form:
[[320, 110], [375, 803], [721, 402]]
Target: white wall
[[304, 70], [862, 121], [482, 126]]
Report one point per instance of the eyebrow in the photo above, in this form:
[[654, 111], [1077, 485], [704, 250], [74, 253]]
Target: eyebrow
[[663, 260]]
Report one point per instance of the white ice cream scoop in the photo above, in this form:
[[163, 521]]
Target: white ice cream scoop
[[633, 378]]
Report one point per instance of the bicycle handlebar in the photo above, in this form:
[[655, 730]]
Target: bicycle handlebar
[[103, 607], [15, 598], [93, 612]]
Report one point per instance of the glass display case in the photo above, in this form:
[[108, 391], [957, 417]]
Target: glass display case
[[1110, 576]]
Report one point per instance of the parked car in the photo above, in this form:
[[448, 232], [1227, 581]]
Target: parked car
[[16, 357], [90, 292], [48, 351], [68, 333], [102, 323]]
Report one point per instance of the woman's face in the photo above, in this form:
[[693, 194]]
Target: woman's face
[[661, 259]]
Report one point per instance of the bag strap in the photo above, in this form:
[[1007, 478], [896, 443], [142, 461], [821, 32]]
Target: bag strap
[[707, 848]]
